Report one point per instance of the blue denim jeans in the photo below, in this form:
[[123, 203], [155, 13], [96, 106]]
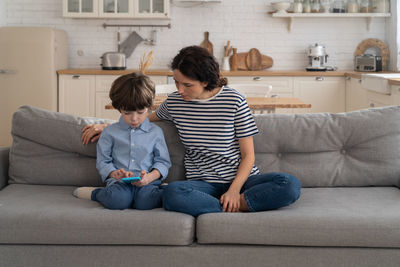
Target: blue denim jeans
[[261, 192], [119, 195]]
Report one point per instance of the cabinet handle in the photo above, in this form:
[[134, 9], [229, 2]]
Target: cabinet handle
[[319, 78], [359, 80], [258, 78], [348, 78], [76, 76], [371, 105]]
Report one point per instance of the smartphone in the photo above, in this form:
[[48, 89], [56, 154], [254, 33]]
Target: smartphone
[[129, 180]]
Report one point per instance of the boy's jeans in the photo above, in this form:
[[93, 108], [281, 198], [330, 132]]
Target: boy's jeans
[[261, 192], [119, 195]]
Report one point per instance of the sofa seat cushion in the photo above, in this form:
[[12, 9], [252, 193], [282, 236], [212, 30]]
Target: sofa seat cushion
[[41, 214], [359, 217]]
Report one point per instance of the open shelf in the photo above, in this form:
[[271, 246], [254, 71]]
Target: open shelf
[[367, 16]]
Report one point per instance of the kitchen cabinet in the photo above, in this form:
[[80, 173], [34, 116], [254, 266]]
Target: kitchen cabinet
[[356, 97], [116, 8], [282, 86], [124, 9], [375, 99], [80, 8], [395, 94], [76, 95], [87, 95], [325, 94], [152, 8]]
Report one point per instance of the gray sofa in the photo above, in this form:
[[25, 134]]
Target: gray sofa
[[348, 213]]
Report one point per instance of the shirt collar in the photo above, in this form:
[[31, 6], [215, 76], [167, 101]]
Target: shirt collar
[[145, 126]]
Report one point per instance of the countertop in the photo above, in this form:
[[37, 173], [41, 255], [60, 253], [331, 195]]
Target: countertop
[[166, 72]]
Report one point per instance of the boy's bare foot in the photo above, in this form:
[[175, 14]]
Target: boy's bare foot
[[84, 192]]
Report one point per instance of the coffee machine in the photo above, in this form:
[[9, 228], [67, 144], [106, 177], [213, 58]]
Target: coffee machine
[[317, 58]]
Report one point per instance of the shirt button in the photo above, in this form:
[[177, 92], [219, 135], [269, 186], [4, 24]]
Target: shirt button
[[133, 145], [133, 160]]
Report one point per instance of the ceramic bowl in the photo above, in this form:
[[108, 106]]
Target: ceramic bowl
[[280, 7]]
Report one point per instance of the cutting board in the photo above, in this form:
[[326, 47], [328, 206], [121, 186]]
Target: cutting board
[[207, 44], [244, 60]]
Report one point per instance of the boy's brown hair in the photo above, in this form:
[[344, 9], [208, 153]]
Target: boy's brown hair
[[131, 92]]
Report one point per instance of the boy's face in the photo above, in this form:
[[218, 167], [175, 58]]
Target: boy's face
[[134, 118]]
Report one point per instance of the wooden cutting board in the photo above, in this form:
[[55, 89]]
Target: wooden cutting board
[[207, 44], [253, 59], [243, 60]]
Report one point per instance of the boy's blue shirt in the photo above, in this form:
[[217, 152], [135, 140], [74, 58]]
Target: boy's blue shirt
[[133, 149]]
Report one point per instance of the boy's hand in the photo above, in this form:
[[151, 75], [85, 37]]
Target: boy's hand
[[145, 179], [230, 201], [119, 174]]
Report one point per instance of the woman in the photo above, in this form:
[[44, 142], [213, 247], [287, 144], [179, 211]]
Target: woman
[[216, 127]]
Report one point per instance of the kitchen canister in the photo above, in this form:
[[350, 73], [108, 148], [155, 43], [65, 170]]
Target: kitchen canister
[[298, 6], [352, 6], [380, 6]]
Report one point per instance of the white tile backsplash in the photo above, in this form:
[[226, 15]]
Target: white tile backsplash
[[244, 22]]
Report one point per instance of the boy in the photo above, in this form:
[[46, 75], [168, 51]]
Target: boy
[[130, 147]]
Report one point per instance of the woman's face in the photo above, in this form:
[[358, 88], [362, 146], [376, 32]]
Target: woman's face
[[190, 89]]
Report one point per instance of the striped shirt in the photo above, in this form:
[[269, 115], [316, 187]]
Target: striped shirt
[[209, 129]]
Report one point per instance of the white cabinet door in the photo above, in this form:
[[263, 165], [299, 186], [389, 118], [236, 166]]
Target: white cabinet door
[[281, 86], [77, 95], [378, 100], [116, 8], [395, 94], [80, 8], [152, 8], [325, 94], [102, 99], [356, 97]]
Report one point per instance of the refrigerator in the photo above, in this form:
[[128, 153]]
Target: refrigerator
[[29, 60]]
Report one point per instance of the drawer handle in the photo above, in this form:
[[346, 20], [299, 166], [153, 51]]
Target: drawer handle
[[258, 78], [371, 105], [320, 78], [76, 76]]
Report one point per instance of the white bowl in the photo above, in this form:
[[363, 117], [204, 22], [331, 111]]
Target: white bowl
[[280, 7]]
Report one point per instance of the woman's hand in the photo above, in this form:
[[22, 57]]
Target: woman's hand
[[91, 132], [230, 201], [119, 174]]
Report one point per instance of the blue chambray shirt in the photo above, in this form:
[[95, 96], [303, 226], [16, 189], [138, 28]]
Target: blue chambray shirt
[[134, 149]]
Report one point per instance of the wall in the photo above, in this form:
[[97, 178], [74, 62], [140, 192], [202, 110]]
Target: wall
[[244, 22]]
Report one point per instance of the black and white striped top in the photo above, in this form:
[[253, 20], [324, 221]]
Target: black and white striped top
[[209, 129]]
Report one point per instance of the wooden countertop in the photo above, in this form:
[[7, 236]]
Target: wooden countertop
[[166, 72], [256, 103], [267, 73]]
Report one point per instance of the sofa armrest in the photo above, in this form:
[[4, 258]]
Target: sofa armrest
[[4, 152]]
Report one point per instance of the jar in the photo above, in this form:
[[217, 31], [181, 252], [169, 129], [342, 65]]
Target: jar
[[326, 5], [352, 6], [365, 6], [306, 6], [338, 7], [315, 7], [297, 6], [380, 6]]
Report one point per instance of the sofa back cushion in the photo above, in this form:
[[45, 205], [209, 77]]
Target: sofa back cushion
[[360, 148], [47, 149]]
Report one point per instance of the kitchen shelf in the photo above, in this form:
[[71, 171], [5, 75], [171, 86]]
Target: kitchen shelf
[[291, 16]]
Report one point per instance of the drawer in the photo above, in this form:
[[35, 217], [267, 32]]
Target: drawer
[[279, 84]]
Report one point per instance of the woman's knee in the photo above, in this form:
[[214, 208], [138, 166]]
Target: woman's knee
[[290, 185], [174, 192]]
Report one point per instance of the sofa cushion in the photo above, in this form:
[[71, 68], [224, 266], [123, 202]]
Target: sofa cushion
[[359, 148], [47, 149], [41, 214], [354, 217]]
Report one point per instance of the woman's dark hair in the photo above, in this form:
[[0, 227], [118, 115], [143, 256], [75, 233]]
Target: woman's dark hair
[[132, 92], [198, 64]]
